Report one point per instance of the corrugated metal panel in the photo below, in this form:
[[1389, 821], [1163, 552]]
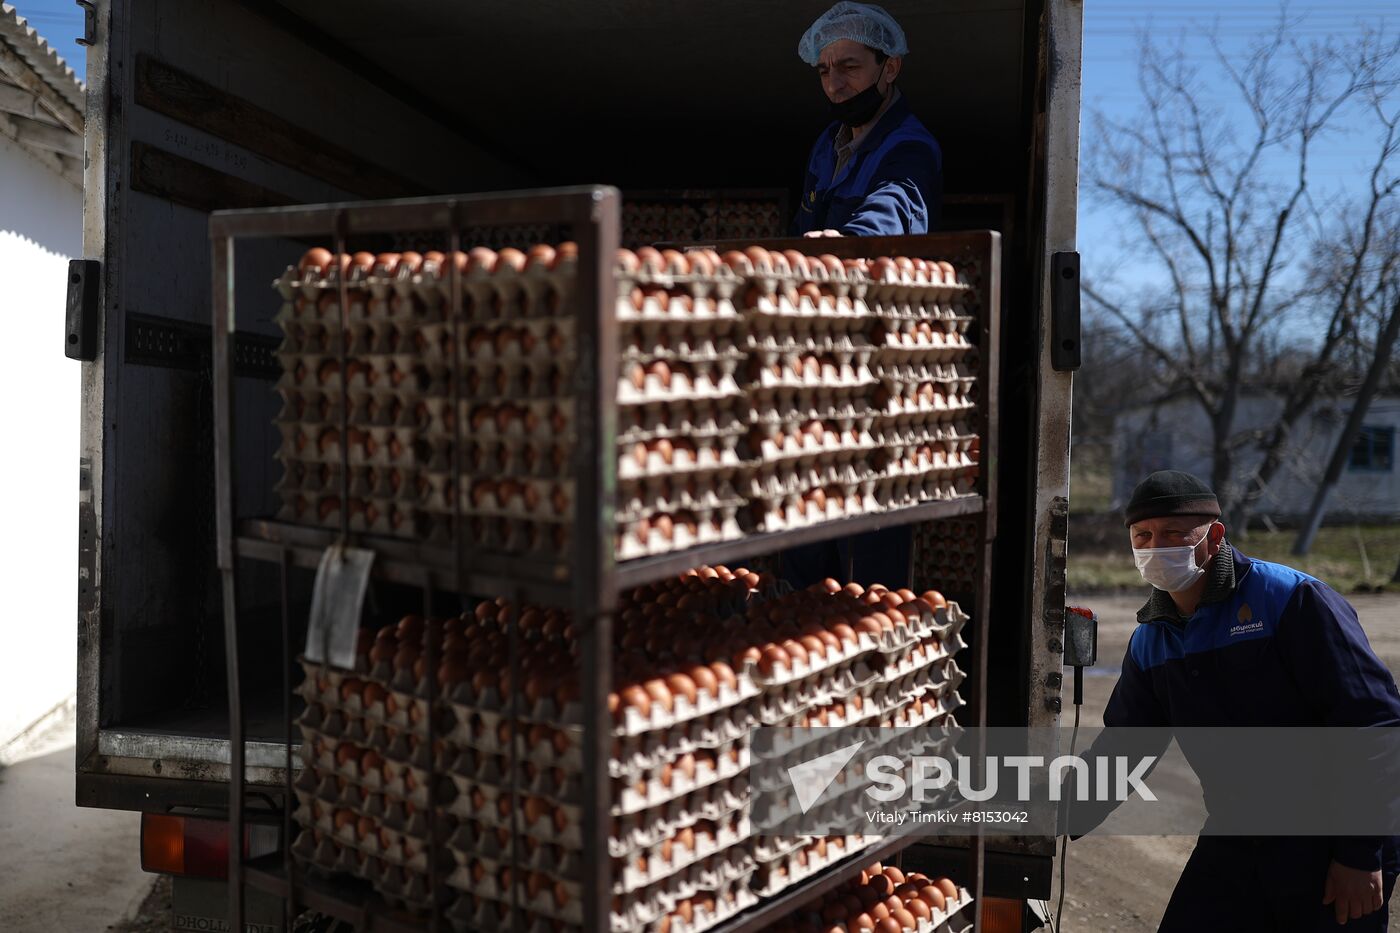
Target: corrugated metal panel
[[30, 46]]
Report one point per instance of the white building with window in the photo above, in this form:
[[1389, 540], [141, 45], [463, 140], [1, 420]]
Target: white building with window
[[1174, 434], [41, 228]]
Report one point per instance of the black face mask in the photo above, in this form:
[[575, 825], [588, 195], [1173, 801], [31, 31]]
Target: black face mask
[[861, 108]]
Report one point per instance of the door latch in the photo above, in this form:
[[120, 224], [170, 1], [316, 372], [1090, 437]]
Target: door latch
[[1064, 311], [84, 279], [89, 36]]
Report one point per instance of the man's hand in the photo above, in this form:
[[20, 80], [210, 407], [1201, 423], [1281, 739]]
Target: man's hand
[[815, 233], [1352, 892]]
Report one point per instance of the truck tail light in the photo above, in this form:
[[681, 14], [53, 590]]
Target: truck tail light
[[1002, 915], [196, 846]]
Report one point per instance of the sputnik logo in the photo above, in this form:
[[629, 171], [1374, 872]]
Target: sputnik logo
[[811, 778]]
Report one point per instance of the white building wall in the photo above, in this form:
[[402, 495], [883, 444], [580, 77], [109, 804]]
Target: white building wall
[[1176, 435], [41, 225]]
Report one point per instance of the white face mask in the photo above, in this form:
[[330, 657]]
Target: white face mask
[[1168, 568]]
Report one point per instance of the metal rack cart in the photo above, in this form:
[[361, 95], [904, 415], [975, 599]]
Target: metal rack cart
[[589, 580]]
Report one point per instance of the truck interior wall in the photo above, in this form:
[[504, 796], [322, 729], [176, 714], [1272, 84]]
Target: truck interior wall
[[633, 94]]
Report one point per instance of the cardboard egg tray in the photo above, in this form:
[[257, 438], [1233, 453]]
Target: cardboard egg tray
[[898, 374], [951, 437], [511, 458], [641, 538], [561, 823], [317, 442], [511, 380], [714, 313], [724, 902], [834, 446], [383, 483], [656, 496], [688, 382], [776, 483], [652, 790], [771, 372], [327, 782], [400, 887], [511, 342], [778, 874], [716, 457], [695, 421], [386, 845]]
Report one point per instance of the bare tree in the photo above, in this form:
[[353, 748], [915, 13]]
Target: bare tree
[[1378, 301], [1218, 208]]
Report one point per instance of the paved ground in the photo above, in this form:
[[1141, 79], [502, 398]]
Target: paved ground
[[1122, 884], [63, 869]]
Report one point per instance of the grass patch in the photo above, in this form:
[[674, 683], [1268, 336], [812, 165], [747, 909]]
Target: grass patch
[[1345, 557]]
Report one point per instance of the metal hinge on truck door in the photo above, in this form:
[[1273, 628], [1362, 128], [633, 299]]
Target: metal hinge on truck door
[[80, 315]]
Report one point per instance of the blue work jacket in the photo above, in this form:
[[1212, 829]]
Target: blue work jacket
[[1283, 650], [892, 184]]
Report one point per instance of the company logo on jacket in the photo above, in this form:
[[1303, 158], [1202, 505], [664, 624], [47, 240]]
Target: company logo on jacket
[[1245, 625]]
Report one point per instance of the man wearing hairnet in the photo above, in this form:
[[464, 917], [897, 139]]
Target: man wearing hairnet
[[875, 171]]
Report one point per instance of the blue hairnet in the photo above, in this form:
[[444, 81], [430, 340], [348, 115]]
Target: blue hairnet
[[865, 23]]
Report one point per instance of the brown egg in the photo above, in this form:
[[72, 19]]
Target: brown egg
[[861, 921], [771, 656], [844, 632], [932, 896], [881, 886], [316, 261], [637, 698], [949, 889], [682, 685], [888, 925], [904, 918], [816, 649], [919, 909], [656, 688], [510, 258], [725, 674], [934, 599]]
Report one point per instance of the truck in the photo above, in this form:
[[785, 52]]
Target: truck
[[206, 105]]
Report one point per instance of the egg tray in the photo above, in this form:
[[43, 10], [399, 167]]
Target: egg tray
[[900, 326], [489, 707], [657, 496], [921, 654], [373, 481], [380, 340], [724, 282], [774, 877], [321, 443], [370, 845], [394, 407], [399, 887], [832, 448], [707, 314], [535, 288], [941, 465], [898, 373], [771, 306], [953, 436], [730, 900], [649, 422], [393, 816], [908, 410], [716, 456], [816, 741], [516, 341], [635, 755], [903, 492], [481, 856], [785, 479], [562, 900], [905, 290], [329, 784], [372, 373], [712, 379], [403, 760], [562, 825], [471, 914], [355, 721], [835, 376], [650, 792], [713, 527]]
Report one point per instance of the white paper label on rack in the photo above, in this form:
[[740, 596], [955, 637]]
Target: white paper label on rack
[[336, 603]]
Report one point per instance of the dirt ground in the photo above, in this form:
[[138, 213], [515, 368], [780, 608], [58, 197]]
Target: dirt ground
[[1122, 884]]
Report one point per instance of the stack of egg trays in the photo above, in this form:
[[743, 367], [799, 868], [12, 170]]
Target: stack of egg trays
[[381, 384], [655, 802], [947, 550], [677, 396], [371, 759], [809, 383], [904, 680], [927, 370], [515, 418]]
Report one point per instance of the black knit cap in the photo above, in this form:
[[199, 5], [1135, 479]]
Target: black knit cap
[[1171, 492]]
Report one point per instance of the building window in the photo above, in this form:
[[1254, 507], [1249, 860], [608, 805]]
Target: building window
[[1374, 450]]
